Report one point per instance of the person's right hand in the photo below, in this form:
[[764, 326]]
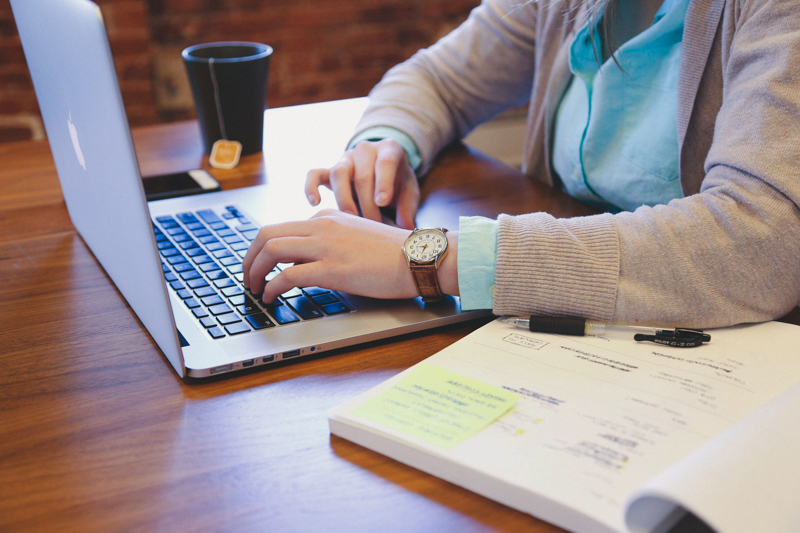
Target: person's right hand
[[374, 174]]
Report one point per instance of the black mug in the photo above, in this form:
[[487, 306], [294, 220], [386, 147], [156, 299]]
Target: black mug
[[229, 85]]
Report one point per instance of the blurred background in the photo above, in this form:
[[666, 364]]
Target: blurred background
[[324, 50]]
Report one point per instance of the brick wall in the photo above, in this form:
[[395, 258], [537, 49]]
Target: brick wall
[[324, 49]]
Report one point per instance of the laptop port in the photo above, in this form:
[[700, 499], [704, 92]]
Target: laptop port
[[251, 362], [220, 369], [291, 353], [269, 358]]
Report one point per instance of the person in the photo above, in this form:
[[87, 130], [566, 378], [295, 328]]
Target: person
[[679, 119]]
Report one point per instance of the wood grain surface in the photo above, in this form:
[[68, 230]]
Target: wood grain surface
[[97, 433]]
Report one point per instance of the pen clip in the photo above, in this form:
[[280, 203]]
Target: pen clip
[[678, 337]]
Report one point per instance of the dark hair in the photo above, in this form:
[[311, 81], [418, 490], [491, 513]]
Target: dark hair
[[606, 27]]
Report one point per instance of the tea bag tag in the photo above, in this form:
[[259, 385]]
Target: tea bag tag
[[225, 154]]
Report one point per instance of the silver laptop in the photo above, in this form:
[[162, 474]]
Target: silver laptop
[[177, 261]]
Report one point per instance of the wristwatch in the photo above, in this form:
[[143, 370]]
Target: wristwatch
[[424, 249]]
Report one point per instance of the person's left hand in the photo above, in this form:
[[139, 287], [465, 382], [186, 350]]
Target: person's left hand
[[333, 250]]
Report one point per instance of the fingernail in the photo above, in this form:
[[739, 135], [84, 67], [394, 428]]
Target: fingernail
[[382, 198], [312, 199]]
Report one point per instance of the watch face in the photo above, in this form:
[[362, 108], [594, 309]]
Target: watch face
[[425, 245]]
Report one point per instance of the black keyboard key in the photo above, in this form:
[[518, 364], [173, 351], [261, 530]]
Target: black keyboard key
[[305, 308], [202, 259], [208, 239], [250, 234], [216, 333], [169, 224], [230, 239], [201, 232], [245, 227], [194, 227], [212, 300], [239, 277], [208, 267], [235, 329], [169, 252], [324, 299], [216, 274], [176, 285], [187, 244], [214, 246], [170, 276], [164, 268], [165, 218], [189, 275], [292, 293], [235, 269], [232, 291], [199, 312], [313, 291], [335, 309], [219, 254], [222, 283], [247, 307], [183, 267], [164, 243], [208, 216], [259, 321], [227, 261], [183, 294], [186, 218], [220, 309], [240, 246], [205, 291], [176, 230], [216, 226], [242, 253], [160, 237], [197, 283], [229, 318], [281, 314], [208, 322], [225, 232], [191, 303], [181, 237], [175, 259], [238, 299]]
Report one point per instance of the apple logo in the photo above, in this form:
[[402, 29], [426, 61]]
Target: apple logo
[[73, 134]]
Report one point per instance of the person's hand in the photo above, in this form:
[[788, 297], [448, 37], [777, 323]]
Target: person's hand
[[374, 174], [340, 252]]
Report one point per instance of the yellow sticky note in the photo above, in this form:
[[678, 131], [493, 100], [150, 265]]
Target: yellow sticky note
[[437, 406]]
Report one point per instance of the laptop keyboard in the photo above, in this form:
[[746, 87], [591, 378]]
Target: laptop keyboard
[[201, 256]]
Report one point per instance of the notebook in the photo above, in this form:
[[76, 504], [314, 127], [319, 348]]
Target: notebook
[[177, 262]]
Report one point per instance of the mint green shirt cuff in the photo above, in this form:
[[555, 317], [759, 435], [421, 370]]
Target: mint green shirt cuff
[[477, 256], [378, 133]]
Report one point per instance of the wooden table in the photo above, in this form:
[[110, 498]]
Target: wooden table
[[97, 433]]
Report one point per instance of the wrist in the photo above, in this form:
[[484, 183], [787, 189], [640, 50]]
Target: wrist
[[448, 268]]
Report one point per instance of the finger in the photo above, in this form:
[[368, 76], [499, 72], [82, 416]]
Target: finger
[[265, 233], [302, 275], [364, 180], [341, 178], [279, 250], [315, 178], [408, 201], [389, 157]]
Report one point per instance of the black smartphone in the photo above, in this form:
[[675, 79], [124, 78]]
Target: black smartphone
[[179, 184]]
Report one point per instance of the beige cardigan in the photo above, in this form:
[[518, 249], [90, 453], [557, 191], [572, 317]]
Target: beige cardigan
[[726, 253]]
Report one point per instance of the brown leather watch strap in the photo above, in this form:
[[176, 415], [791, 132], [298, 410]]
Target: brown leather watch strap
[[427, 282]]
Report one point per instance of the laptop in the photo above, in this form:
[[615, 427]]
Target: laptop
[[177, 262]]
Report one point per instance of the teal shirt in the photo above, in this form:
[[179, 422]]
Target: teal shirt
[[615, 143]]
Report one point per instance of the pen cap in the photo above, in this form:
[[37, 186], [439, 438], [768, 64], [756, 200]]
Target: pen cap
[[562, 325]]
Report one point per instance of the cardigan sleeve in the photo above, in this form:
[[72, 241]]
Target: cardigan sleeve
[[727, 255], [480, 69]]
